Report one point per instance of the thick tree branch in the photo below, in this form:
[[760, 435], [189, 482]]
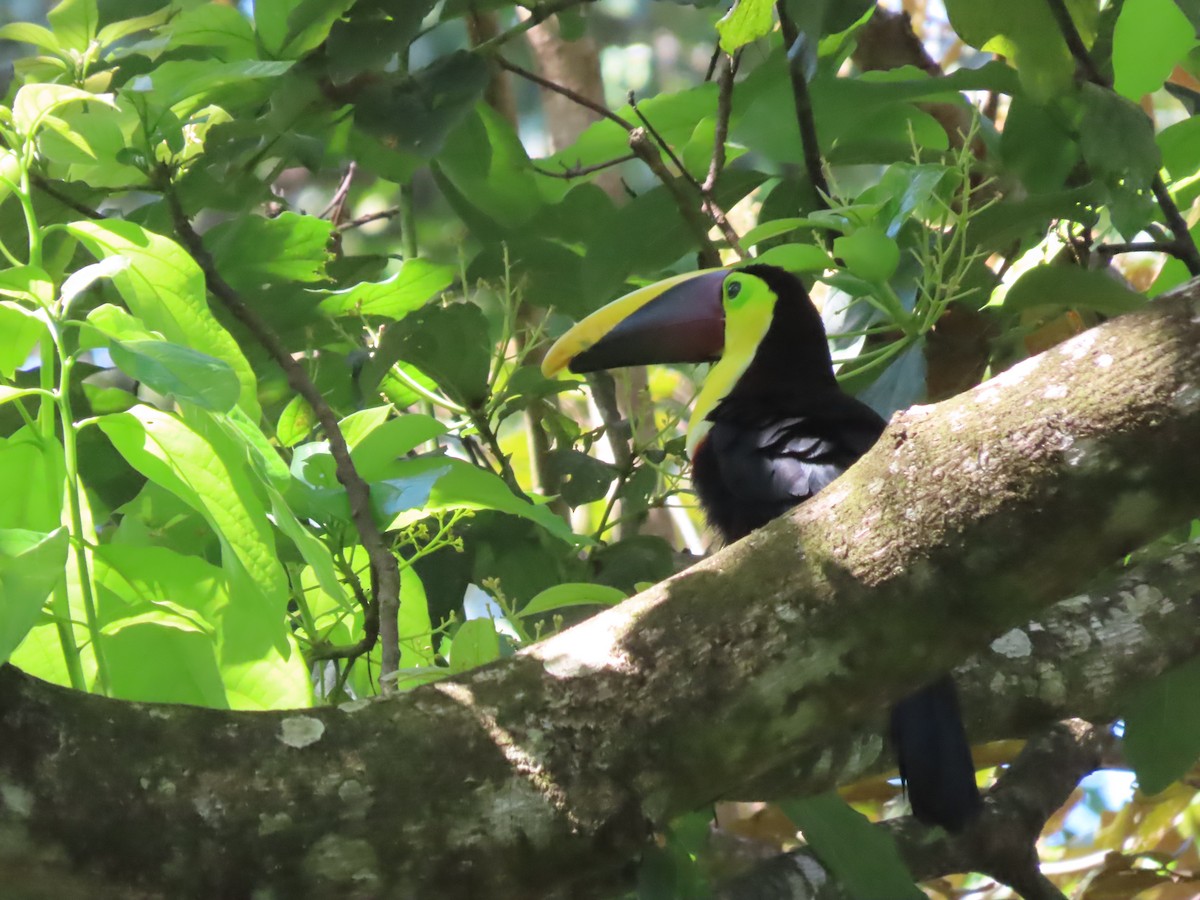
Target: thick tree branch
[[999, 844], [542, 774]]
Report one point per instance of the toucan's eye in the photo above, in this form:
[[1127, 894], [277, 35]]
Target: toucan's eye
[[733, 290]]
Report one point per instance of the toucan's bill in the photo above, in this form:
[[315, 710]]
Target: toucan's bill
[[677, 320]]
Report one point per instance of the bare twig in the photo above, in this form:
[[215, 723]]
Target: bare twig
[[647, 151], [47, 188], [537, 14], [570, 172], [813, 163], [720, 134], [598, 109], [359, 221], [1000, 843], [334, 208], [1110, 250], [1182, 247], [385, 573], [648, 126]]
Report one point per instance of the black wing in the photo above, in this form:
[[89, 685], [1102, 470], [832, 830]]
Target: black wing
[[748, 472]]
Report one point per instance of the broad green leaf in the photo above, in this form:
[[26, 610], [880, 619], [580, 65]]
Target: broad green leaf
[[32, 481], [1025, 32], [415, 624], [251, 442], [21, 330], [417, 112], [764, 231], [392, 497], [466, 486], [176, 457], [358, 425], [475, 644], [485, 160], [309, 23], [417, 282], [1073, 288], [186, 85], [222, 29], [74, 23], [1180, 146], [571, 594], [747, 21], [392, 440], [36, 101], [164, 288], [796, 258], [1117, 138], [1150, 37], [116, 31], [27, 283], [314, 552], [296, 422], [862, 857], [178, 372], [114, 324], [1162, 727], [450, 344], [31, 564], [28, 33], [82, 279], [868, 253], [250, 250]]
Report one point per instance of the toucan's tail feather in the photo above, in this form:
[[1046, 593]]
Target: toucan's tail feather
[[934, 756]]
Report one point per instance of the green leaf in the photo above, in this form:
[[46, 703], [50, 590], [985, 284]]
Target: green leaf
[[1117, 138], [164, 288], [221, 28], [1162, 727], [764, 231], [475, 643], [868, 253], [571, 594], [1180, 146], [295, 423], [309, 23], [82, 279], [417, 112], [28, 33], [417, 282], [1073, 288], [250, 250], [450, 344], [466, 486], [1150, 38], [31, 564], [74, 23], [179, 372], [176, 457], [415, 626], [863, 858], [376, 451], [1025, 32], [796, 258], [22, 330], [185, 85], [116, 31], [747, 21], [359, 425], [36, 101], [27, 283], [32, 481]]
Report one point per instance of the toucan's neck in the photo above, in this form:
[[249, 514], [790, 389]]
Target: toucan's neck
[[789, 367]]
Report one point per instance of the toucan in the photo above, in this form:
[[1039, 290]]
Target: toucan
[[769, 429]]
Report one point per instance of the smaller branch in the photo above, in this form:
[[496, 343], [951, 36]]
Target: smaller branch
[[537, 15], [720, 136], [1183, 247], [603, 111], [339, 197], [367, 217], [663, 145], [385, 572], [640, 143], [479, 419], [577, 171], [1001, 843], [1110, 250], [813, 163], [47, 188]]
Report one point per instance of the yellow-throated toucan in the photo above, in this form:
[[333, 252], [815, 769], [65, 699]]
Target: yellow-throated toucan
[[770, 428]]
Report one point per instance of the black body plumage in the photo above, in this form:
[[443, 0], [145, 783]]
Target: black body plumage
[[783, 433]]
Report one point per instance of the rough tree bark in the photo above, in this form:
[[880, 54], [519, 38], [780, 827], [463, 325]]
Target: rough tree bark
[[542, 774]]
